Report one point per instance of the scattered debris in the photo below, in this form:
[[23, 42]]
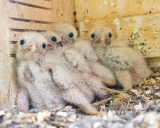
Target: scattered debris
[[139, 107]]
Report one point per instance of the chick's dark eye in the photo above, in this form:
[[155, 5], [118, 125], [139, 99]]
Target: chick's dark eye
[[22, 42], [43, 46], [54, 39], [110, 35], [92, 35], [71, 35]]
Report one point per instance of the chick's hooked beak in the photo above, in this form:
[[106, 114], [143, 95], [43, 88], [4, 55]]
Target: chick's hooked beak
[[34, 47], [104, 39], [49, 46], [60, 44], [64, 38]]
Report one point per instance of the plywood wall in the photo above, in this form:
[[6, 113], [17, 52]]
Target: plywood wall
[[18, 16], [137, 21], [7, 84], [102, 9], [62, 11]]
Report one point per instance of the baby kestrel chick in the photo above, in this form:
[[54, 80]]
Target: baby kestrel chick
[[31, 47], [127, 64], [72, 88]]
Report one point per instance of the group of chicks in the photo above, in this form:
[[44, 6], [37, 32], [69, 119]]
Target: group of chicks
[[55, 68]]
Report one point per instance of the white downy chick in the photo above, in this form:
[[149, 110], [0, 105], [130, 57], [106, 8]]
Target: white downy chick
[[31, 47], [128, 65], [26, 89], [63, 45], [72, 88]]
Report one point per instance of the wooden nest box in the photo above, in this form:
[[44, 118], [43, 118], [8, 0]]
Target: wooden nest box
[[136, 21]]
